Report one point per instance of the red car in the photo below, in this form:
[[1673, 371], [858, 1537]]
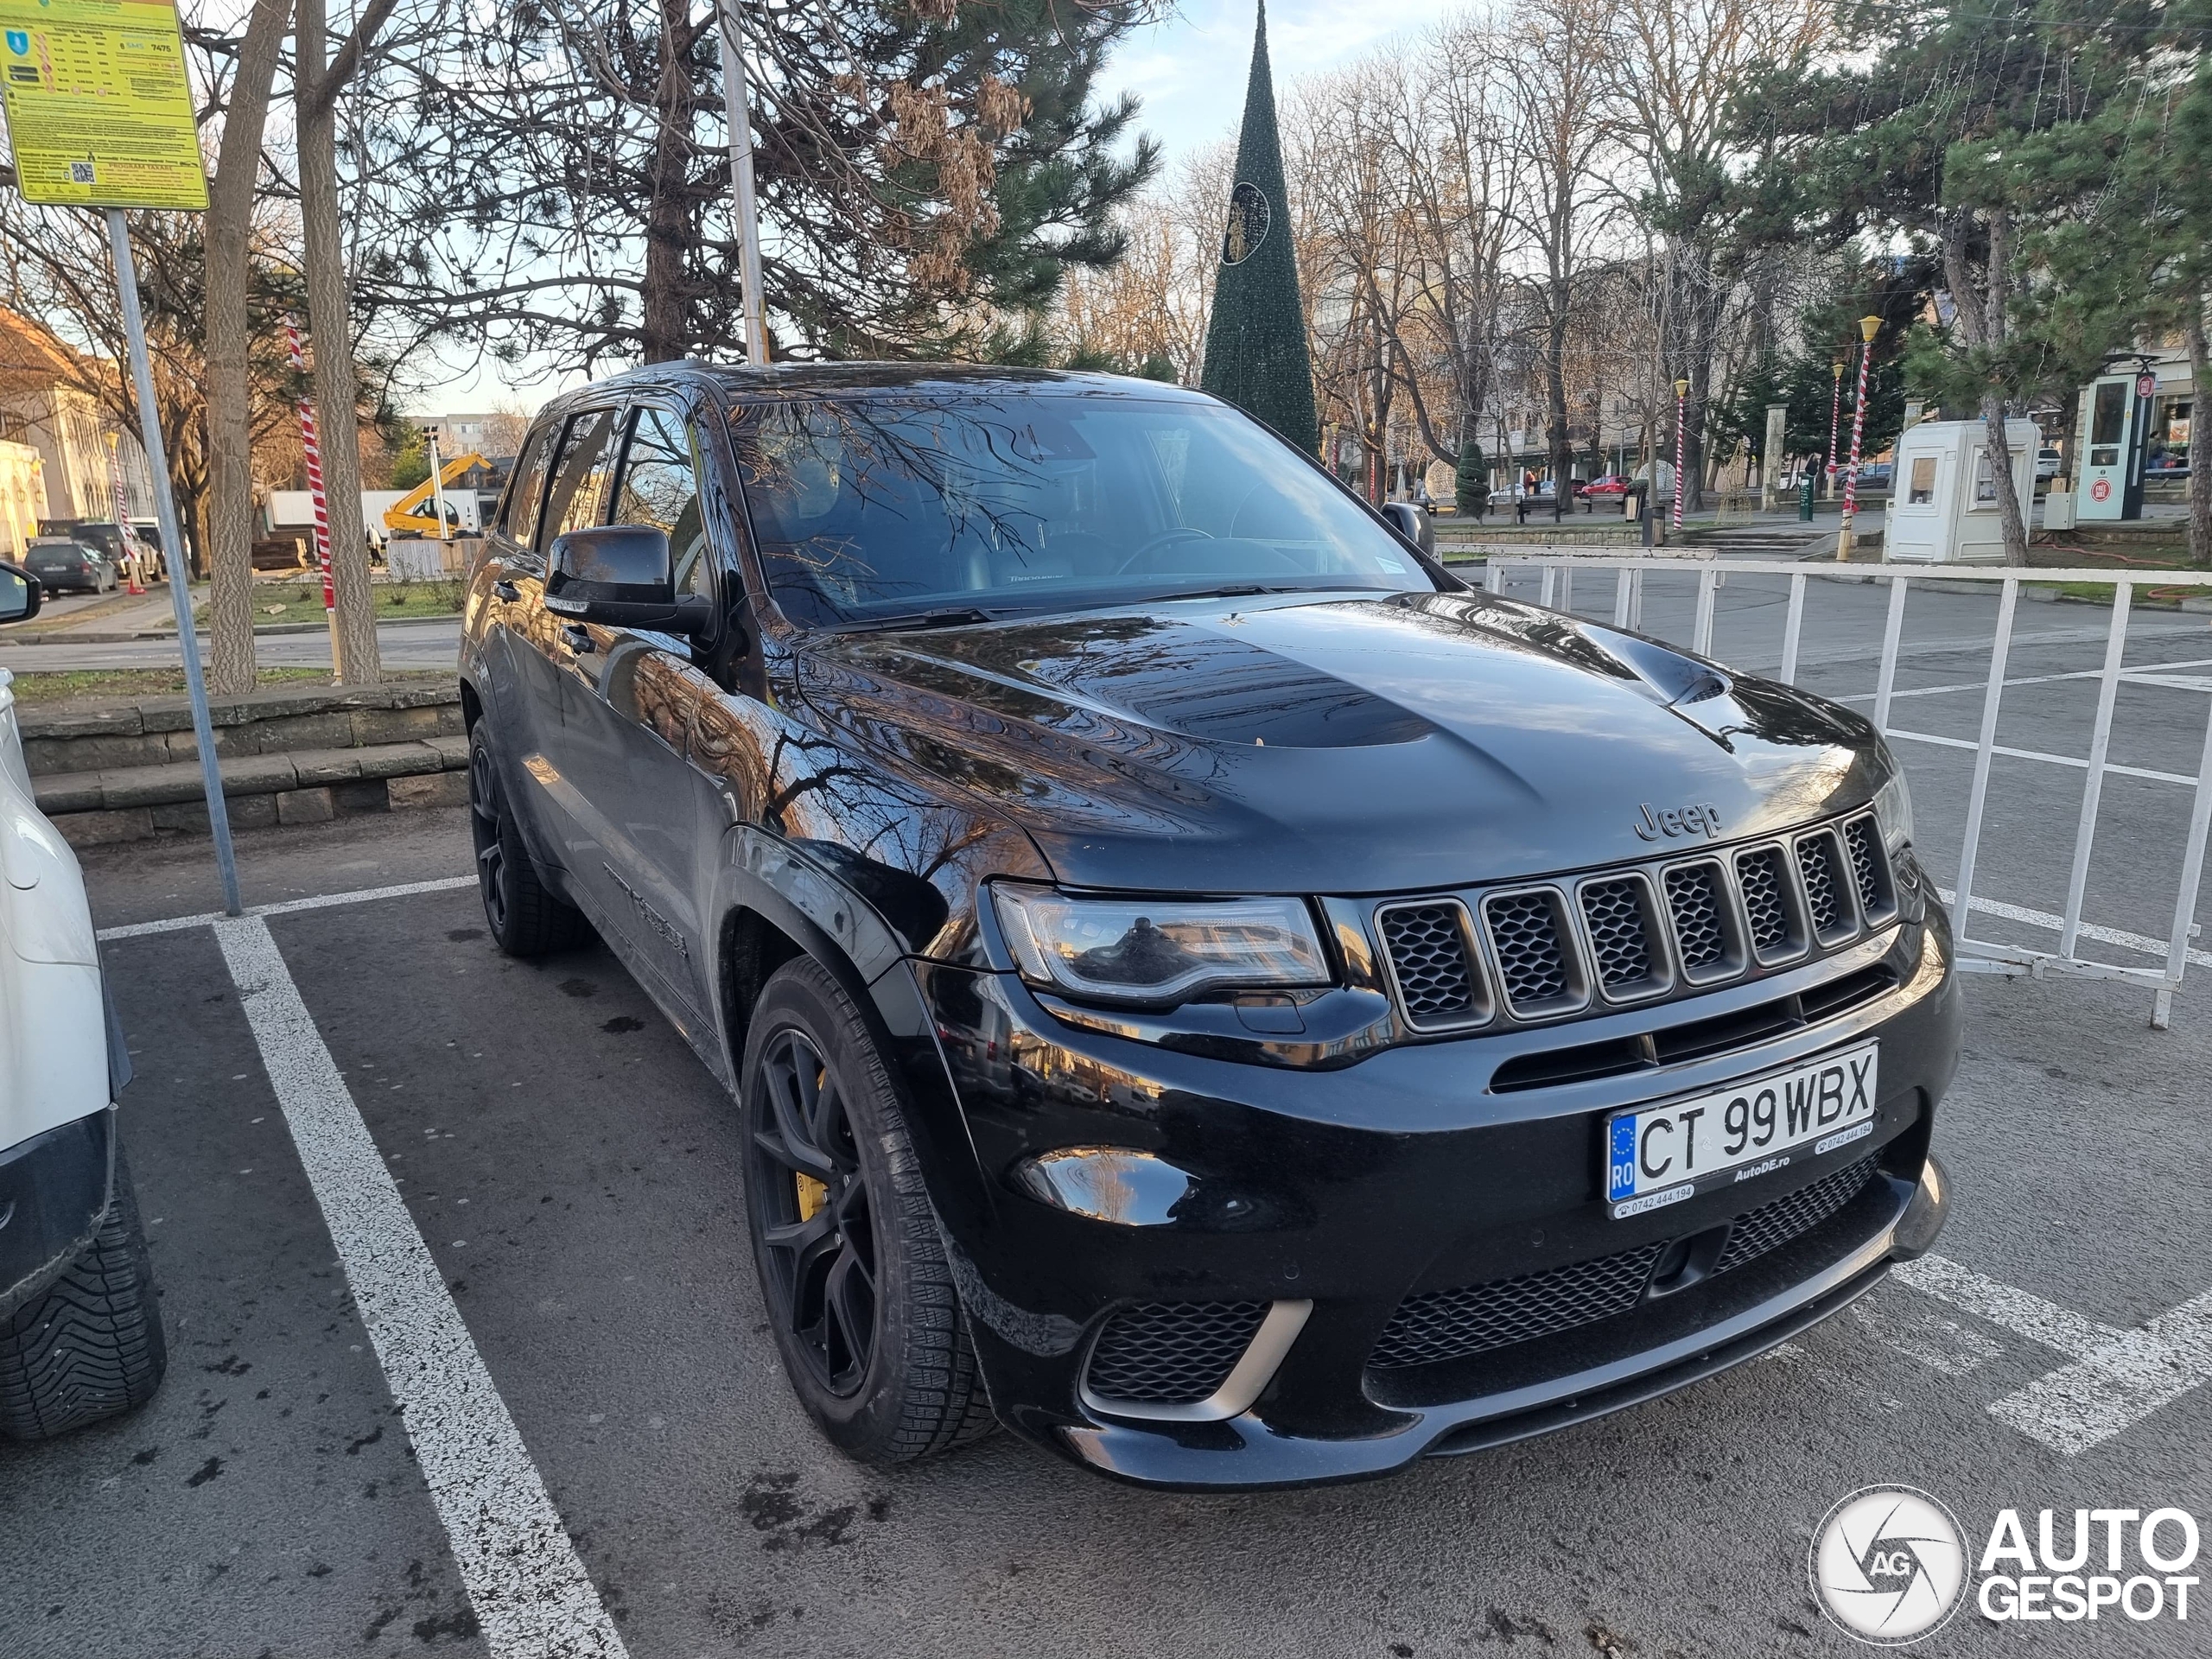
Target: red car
[[1610, 483]]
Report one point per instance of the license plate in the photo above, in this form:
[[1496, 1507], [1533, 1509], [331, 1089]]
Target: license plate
[[1658, 1156]]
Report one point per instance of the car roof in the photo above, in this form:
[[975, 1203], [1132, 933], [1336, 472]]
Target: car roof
[[741, 382]]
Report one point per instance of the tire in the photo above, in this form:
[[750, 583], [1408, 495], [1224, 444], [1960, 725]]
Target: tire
[[526, 916], [92, 1346], [859, 1295]]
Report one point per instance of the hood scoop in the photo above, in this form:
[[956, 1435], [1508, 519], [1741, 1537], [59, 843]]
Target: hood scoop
[[1226, 691]]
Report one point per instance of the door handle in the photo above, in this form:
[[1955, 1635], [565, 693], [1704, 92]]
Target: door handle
[[578, 640], [506, 590]]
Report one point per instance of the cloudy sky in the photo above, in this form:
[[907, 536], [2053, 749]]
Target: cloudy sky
[[1189, 71]]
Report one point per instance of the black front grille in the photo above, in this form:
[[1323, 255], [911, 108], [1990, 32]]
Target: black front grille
[[1863, 841], [1428, 955], [1441, 1325], [1772, 1226], [1524, 930], [1823, 892], [1694, 897], [1171, 1353], [1762, 875], [1614, 911]]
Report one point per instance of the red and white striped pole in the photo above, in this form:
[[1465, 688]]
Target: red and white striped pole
[[314, 453], [1681, 439], [1869, 326]]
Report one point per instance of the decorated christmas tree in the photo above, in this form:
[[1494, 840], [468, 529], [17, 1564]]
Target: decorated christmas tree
[[1255, 340]]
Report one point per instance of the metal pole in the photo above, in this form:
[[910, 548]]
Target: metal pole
[[1835, 422], [1682, 437], [157, 463], [1985, 750], [2084, 831], [1793, 627], [2192, 874], [437, 485], [737, 105]]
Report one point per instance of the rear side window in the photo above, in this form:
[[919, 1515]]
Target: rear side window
[[580, 481], [527, 493]]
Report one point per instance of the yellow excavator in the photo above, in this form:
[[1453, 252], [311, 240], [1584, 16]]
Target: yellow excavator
[[416, 513]]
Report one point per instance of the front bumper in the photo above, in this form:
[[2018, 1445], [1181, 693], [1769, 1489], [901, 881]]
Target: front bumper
[[1336, 1193], [54, 1188]]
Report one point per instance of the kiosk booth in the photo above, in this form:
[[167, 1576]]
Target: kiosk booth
[[1943, 502], [2113, 435]]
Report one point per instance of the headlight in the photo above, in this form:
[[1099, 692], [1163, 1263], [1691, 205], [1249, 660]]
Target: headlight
[[1159, 949], [1893, 811]]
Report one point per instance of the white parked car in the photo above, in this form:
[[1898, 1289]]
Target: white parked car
[[80, 1335]]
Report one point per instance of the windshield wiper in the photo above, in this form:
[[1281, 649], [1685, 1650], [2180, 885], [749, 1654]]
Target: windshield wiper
[[1237, 590], [953, 617]]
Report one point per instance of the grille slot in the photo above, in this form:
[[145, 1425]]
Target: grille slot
[[1828, 901], [1440, 1324], [1170, 1353], [1870, 870], [1765, 882], [1772, 1226], [1614, 912], [1527, 932], [1692, 895], [1438, 983]]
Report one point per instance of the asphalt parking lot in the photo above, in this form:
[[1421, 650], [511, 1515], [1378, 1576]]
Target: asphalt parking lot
[[564, 1279]]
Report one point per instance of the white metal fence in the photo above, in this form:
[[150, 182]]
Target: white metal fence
[[1556, 574]]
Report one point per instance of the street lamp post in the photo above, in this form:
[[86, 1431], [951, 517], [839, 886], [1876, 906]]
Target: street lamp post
[[1835, 418], [1681, 435], [1868, 327]]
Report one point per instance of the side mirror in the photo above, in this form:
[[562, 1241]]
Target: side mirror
[[620, 574], [1410, 522], [20, 594]]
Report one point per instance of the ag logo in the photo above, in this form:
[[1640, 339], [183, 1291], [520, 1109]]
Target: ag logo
[[1888, 1566], [2101, 490], [1249, 217]]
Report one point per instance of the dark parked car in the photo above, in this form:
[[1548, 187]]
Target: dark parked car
[[1203, 986], [63, 563]]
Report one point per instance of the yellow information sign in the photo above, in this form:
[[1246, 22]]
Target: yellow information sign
[[99, 112]]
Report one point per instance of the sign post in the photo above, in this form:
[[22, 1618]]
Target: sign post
[[311, 449], [100, 115]]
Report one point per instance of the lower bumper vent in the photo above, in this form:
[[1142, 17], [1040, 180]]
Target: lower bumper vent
[[1772, 1226], [1440, 1324], [1171, 1353]]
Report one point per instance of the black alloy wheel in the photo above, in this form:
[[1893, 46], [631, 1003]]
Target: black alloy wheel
[[860, 1296], [817, 1225], [526, 917]]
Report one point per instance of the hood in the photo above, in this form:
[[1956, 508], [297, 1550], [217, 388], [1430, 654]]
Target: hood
[[1339, 745]]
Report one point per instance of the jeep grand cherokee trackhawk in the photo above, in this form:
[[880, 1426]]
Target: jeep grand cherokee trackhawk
[[1203, 986]]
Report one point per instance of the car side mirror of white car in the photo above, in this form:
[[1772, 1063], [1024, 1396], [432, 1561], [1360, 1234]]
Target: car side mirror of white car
[[21, 595], [621, 575]]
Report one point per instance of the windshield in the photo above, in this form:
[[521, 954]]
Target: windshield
[[1007, 502]]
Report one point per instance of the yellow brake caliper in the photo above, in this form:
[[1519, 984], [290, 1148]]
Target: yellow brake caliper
[[812, 1195]]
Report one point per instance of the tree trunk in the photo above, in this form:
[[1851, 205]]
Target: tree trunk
[[1561, 445], [2000, 472], [336, 398], [2200, 452], [230, 465], [662, 333]]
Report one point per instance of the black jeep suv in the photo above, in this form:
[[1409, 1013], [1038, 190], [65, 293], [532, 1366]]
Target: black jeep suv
[[1201, 985]]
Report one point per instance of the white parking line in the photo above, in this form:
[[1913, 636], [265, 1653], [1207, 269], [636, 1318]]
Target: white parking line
[[532, 1596], [286, 907], [2118, 1377]]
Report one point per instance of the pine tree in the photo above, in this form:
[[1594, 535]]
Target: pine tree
[[1255, 339], [1471, 484]]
